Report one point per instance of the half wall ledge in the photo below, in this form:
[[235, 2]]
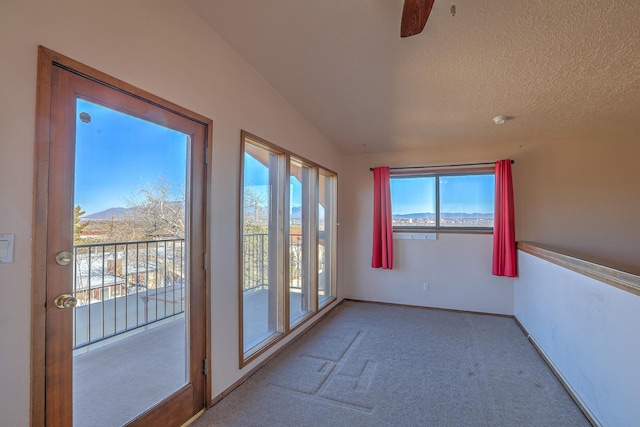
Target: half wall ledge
[[620, 279]]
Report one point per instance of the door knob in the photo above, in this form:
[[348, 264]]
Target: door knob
[[65, 301]]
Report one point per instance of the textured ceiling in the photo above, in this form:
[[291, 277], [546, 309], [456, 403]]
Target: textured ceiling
[[560, 68]]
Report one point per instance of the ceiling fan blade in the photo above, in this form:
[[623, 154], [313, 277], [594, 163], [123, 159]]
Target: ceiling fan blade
[[414, 16]]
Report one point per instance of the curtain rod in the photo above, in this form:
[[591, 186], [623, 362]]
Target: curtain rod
[[443, 166]]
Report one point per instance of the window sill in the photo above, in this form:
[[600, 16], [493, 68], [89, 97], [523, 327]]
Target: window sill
[[443, 230], [262, 347]]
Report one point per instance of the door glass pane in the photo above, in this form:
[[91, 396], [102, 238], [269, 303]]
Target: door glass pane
[[467, 200], [130, 335], [299, 241], [260, 247], [326, 232]]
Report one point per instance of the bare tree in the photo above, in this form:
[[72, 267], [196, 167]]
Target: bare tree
[[254, 220], [158, 211], [155, 212], [255, 201]]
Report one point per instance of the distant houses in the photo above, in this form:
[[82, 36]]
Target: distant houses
[[108, 271]]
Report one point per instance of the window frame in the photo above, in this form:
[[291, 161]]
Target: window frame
[[332, 218], [437, 174], [279, 248], [308, 248], [283, 221]]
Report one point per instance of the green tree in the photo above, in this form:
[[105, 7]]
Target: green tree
[[78, 224]]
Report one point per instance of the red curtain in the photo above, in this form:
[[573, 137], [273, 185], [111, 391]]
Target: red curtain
[[382, 228], [504, 229]]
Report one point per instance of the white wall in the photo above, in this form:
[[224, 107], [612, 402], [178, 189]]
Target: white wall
[[160, 46], [596, 344], [456, 266]]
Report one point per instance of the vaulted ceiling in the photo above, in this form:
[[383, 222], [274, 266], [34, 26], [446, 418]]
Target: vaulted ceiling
[[560, 69]]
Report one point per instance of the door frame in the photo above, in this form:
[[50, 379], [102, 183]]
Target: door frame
[[47, 60]]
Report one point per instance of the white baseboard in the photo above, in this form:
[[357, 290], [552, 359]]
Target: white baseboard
[[565, 382]]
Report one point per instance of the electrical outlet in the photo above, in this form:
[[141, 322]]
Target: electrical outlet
[[425, 286], [553, 333]]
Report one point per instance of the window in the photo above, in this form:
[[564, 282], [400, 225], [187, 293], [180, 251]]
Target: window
[[300, 236], [326, 237], [287, 250], [456, 201], [261, 245]]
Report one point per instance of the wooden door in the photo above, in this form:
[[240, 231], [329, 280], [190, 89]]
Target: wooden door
[[61, 83]]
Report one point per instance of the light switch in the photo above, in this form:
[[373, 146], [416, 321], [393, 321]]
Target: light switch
[[6, 248]]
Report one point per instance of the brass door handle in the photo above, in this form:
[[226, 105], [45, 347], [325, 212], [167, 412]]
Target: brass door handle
[[65, 301]]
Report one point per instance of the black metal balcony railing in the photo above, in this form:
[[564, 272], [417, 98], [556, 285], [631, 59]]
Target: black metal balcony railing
[[123, 286], [255, 262], [255, 252]]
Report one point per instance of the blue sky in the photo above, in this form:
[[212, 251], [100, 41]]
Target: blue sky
[[117, 154], [256, 176], [468, 194], [255, 173]]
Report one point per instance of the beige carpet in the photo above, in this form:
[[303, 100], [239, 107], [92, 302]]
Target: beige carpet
[[377, 365]]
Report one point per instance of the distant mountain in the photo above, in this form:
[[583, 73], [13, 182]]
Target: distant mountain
[[425, 215], [115, 213], [421, 215], [119, 213]]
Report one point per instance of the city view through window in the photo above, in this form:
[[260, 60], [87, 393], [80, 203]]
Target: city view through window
[[447, 201]]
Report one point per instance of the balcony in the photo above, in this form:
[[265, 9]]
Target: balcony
[[258, 313], [128, 326], [121, 287]]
